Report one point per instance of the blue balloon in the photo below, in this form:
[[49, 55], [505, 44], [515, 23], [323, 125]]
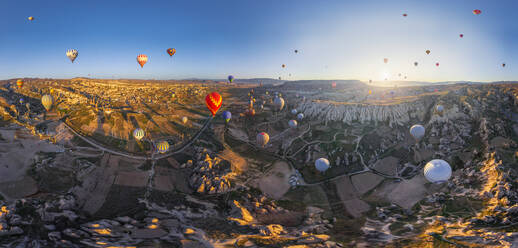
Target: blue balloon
[[230, 78], [227, 115]]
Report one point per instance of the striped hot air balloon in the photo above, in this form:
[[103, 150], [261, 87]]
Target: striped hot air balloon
[[477, 11], [262, 139], [138, 134], [47, 101], [19, 83], [142, 59], [163, 146], [72, 54]]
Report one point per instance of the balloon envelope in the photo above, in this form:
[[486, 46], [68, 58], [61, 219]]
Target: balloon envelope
[[477, 12], [227, 115], [292, 123], [163, 146], [230, 78], [385, 60], [279, 103], [47, 102], [142, 59], [300, 116], [184, 119], [213, 102], [138, 133], [171, 51], [417, 131], [427, 51], [262, 139], [19, 83], [294, 111], [72, 54], [322, 164], [437, 171]]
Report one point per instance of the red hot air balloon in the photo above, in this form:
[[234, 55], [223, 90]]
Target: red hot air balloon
[[333, 85], [461, 35], [477, 12], [213, 101], [171, 51], [405, 15], [437, 64], [141, 59], [385, 60]]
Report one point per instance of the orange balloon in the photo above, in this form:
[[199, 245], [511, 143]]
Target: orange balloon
[[213, 101], [141, 59], [19, 83]]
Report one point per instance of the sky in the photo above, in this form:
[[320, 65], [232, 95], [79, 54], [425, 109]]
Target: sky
[[336, 39]]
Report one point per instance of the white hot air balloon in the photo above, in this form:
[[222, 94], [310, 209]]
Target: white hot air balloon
[[439, 109], [322, 164], [138, 134], [72, 54], [184, 119], [417, 131], [262, 139], [300, 116], [279, 103], [293, 111], [437, 171], [292, 123], [47, 101]]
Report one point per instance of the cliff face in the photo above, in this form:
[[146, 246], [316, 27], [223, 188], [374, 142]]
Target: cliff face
[[399, 114]]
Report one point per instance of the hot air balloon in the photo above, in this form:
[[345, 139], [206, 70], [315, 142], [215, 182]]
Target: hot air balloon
[[21, 101], [261, 107], [437, 64], [279, 78], [439, 109], [477, 11], [279, 103], [138, 134], [370, 81], [142, 59], [300, 116], [385, 60], [262, 139], [163, 146], [227, 115], [173, 95], [503, 65], [30, 18], [28, 105], [19, 83], [213, 101], [415, 63], [437, 171], [184, 119], [230, 78], [370, 92], [293, 111], [47, 102], [51, 91], [296, 51], [461, 35], [292, 123], [283, 66], [333, 84], [405, 15], [417, 131], [322, 164], [171, 51], [72, 54], [427, 51], [266, 93]]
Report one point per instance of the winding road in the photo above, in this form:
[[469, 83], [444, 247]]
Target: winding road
[[139, 157]]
